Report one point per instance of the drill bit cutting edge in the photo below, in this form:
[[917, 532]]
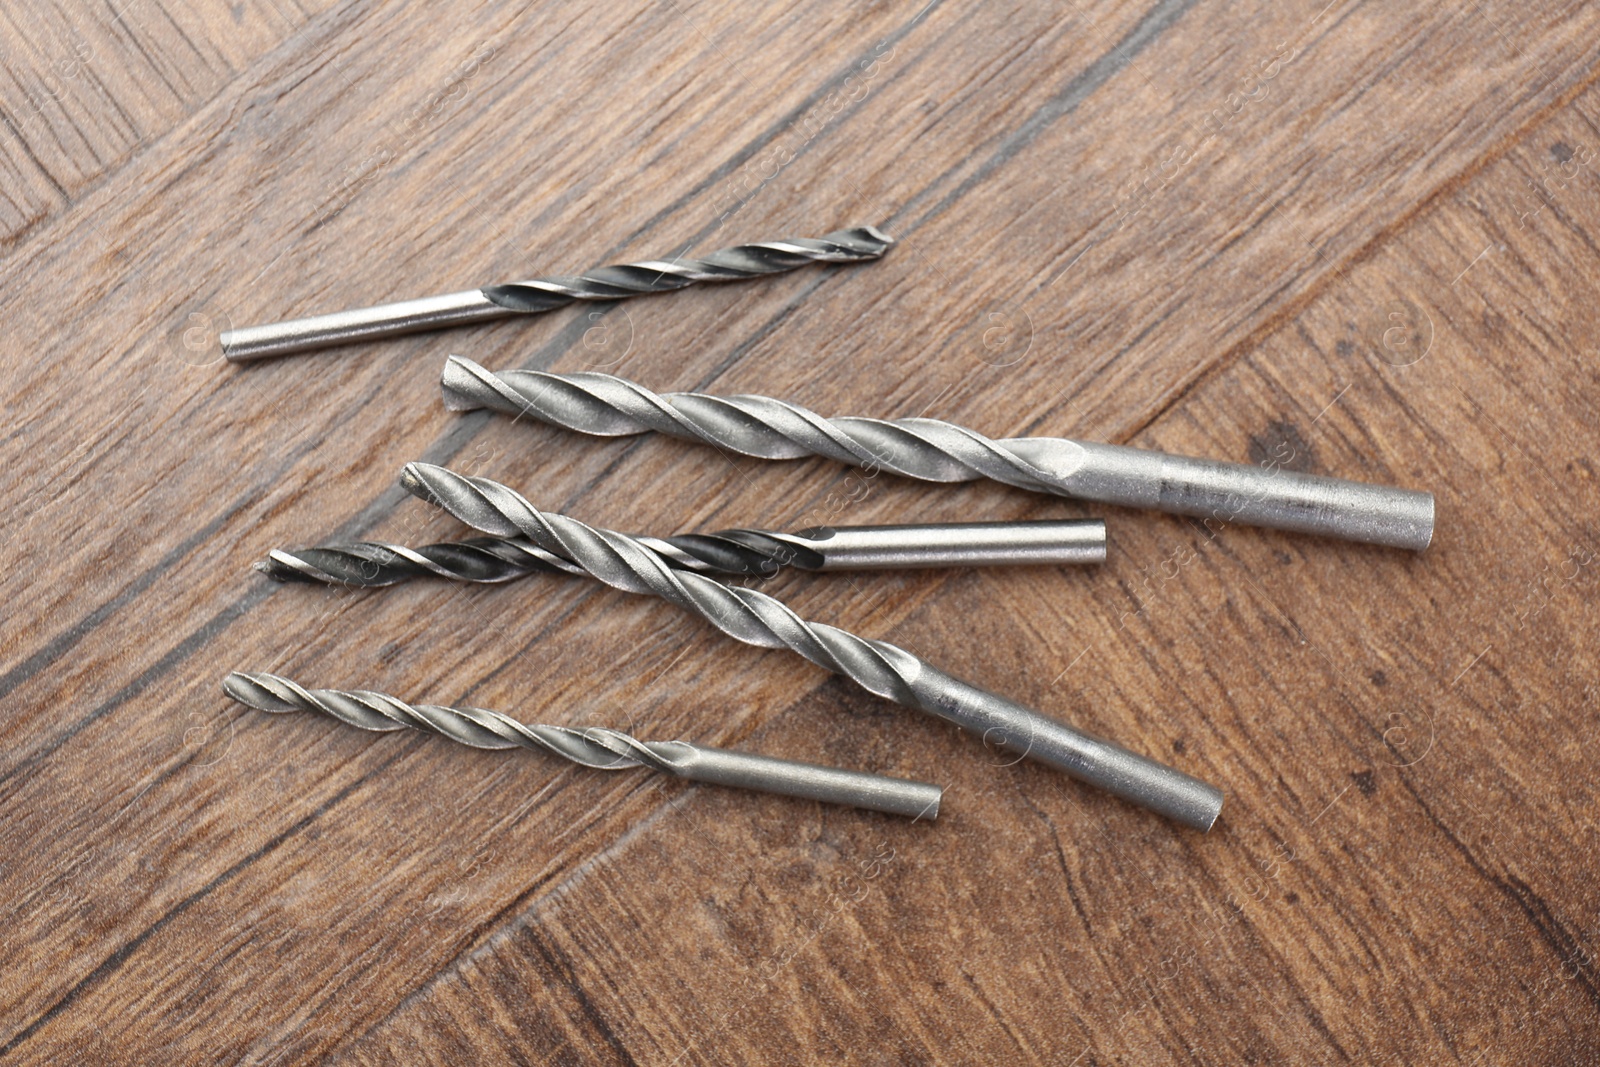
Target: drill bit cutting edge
[[755, 618], [601, 749], [935, 451], [738, 263], [759, 553]]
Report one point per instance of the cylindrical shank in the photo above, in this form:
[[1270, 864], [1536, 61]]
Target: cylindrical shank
[[1101, 763], [1233, 492], [874, 792], [957, 544], [362, 324]]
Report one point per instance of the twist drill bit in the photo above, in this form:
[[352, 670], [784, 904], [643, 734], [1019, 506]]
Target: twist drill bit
[[600, 749], [755, 618], [545, 294], [935, 451], [735, 552]]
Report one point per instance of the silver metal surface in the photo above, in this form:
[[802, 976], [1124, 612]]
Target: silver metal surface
[[955, 544], [755, 618], [936, 451], [735, 552], [743, 770], [544, 294], [601, 749], [362, 324]]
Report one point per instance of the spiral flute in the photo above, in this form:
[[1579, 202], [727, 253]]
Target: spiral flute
[[601, 749], [734, 264], [755, 618], [370, 564], [935, 451], [760, 553]]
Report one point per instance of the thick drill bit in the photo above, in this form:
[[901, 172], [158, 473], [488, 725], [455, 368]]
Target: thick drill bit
[[545, 294], [602, 749], [758, 553], [755, 618], [936, 451]]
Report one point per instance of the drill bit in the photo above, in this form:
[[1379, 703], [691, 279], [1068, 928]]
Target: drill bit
[[935, 451], [755, 618], [594, 747], [544, 294], [759, 553]]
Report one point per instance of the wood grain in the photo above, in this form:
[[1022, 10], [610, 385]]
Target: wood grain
[[1355, 234]]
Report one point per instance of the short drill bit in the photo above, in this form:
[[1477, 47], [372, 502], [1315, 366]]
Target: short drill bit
[[743, 553], [594, 747], [545, 294], [935, 451], [755, 618]]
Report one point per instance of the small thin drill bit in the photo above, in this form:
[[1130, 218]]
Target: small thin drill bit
[[760, 553], [492, 302], [755, 618], [935, 451], [601, 749]]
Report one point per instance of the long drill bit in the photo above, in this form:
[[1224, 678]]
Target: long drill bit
[[601, 749], [545, 294], [760, 553], [935, 451], [755, 618]]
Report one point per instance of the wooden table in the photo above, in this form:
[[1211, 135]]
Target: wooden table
[[1355, 238]]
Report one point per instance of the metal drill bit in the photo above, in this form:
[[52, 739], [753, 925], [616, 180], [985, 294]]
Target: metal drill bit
[[544, 294], [605, 750], [935, 451], [735, 552], [757, 619]]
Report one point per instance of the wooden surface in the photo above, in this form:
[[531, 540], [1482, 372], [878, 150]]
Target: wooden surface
[[1361, 235]]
